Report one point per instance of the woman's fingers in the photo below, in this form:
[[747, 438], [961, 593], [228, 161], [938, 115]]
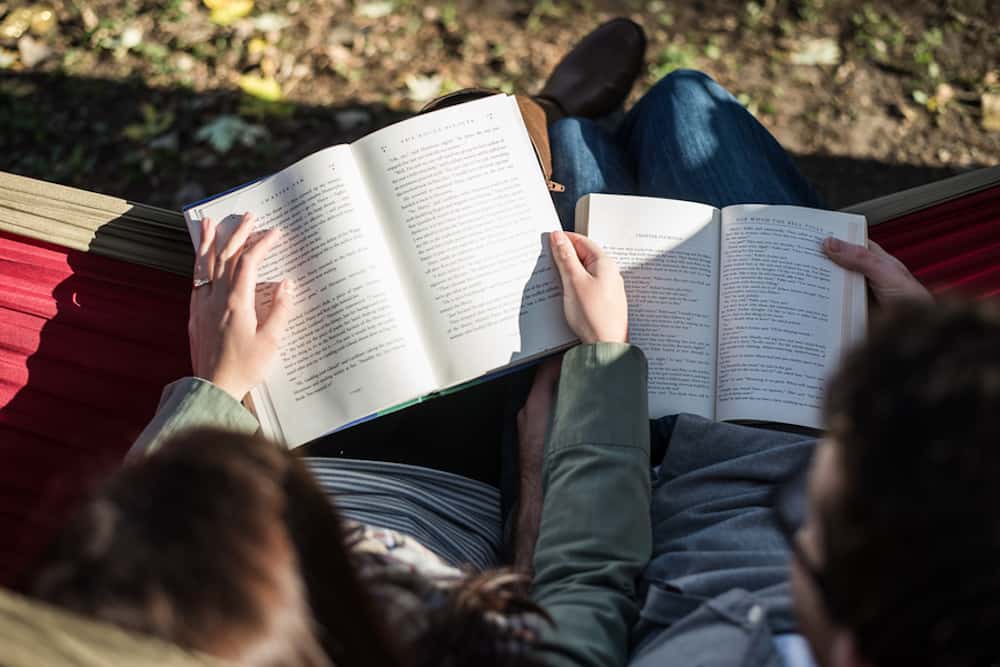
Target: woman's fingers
[[247, 266], [204, 261], [204, 269], [281, 310], [230, 345], [230, 250]]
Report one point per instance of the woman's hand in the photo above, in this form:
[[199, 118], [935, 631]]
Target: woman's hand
[[593, 289], [888, 278], [229, 347]]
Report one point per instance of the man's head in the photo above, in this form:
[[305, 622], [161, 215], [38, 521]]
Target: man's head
[[898, 560]]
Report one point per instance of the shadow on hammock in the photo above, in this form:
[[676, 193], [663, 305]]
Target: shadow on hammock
[[88, 343]]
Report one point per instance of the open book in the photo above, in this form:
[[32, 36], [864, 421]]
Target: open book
[[420, 262], [738, 310]]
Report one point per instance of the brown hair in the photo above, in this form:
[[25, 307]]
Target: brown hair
[[212, 543], [226, 544], [912, 542]]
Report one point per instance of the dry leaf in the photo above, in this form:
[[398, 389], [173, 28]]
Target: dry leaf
[[263, 88], [16, 23], [32, 51], [131, 37], [423, 88], [375, 10], [225, 12], [823, 51], [256, 47]]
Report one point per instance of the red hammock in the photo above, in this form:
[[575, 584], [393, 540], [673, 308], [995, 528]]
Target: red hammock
[[953, 248], [87, 343]]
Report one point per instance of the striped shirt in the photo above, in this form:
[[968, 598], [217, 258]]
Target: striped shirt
[[455, 517]]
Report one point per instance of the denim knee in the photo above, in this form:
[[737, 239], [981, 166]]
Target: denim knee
[[569, 132], [579, 152], [687, 92]]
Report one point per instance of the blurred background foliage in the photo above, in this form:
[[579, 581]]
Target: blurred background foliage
[[165, 101]]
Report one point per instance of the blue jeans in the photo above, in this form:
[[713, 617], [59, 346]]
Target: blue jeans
[[687, 138], [713, 531]]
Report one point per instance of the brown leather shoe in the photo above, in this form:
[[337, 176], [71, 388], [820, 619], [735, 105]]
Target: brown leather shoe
[[595, 77]]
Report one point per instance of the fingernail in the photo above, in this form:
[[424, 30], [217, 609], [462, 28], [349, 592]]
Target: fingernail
[[288, 286], [833, 245], [558, 238]]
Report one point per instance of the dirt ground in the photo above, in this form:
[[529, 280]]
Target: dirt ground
[[168, 101]]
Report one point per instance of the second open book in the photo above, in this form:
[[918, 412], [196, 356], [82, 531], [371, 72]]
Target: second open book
[[739, 312]]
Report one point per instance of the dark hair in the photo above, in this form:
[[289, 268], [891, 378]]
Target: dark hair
[[912, 540], [225, 543], [207, 543], [476, 620]]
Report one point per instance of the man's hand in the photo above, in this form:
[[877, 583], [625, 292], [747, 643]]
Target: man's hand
[[229, 346], [888, 278], [593, 289], [532, 427]]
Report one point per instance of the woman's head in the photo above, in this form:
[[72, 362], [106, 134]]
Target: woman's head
[[225, 544], [201, 544]]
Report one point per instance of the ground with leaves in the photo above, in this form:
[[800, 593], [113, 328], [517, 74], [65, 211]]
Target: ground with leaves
[[167, 101]]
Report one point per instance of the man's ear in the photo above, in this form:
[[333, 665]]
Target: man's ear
[[844, 651]]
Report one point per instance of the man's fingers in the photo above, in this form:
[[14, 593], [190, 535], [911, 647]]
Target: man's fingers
[[905, 282], [281, 310], [887, 276], [245, 276], [852, 257], [567, 262], [879, 251]]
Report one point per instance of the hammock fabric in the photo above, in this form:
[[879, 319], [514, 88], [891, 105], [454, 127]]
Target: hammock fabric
[[953, 248], [87, 343]]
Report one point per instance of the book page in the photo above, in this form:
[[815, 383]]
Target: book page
[[351, 347], [786, 311], [668, 253], [467, 212]]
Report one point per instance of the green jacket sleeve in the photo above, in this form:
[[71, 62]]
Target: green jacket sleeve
[[192, 403], [595, 537]]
